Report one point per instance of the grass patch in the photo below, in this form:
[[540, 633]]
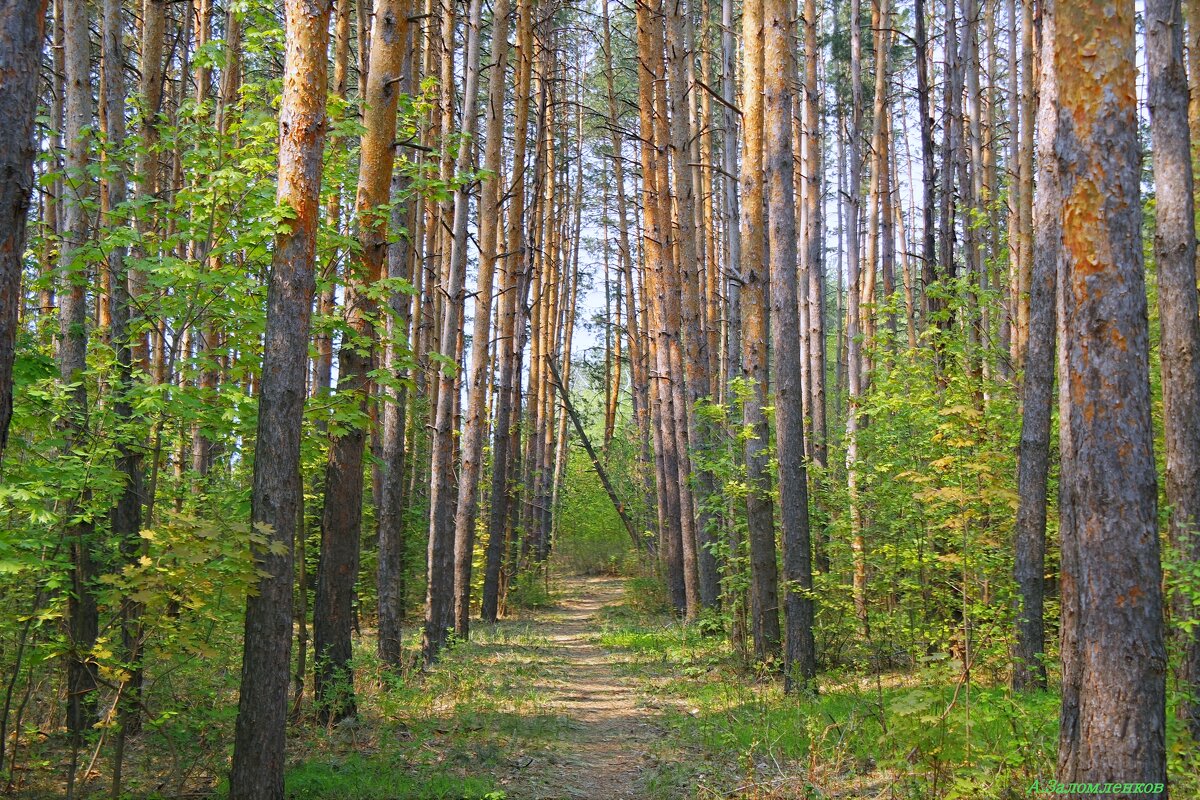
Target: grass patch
[[921, 733], [452, 732], [359, 778]]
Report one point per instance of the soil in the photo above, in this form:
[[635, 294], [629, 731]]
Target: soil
[[604, 751]]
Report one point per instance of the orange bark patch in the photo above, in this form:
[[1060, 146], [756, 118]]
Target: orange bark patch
[[1130, 597]]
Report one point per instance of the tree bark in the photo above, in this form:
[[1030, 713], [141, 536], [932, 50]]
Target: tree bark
[[695, 342], [83, 619], [1114, 658], [21, 27], [475, 432], [1037, 398], [341, 522], [508, 344], [799, 660], [258, 753], [929, 268], [1175, 257], [439, 600], [655, 248], [814, 234], [764, 597], [854, 358], [1025, 171], [126, 515], [402, 263]]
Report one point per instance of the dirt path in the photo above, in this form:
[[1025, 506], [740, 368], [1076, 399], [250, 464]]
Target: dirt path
[[603, 753]]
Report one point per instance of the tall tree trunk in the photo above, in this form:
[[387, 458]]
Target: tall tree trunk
[[475, 431], [127, 510], [655, 247], [800, 659], [439, 600], [731, 220], [929, 270], [814, 233], [764, 597], [341, 521], [322, 380], [21, 27], [1175, 256], [1010, 296], [258, 751], [854, 358], [83, 620], [637, 372], [508, 346], [695, 341], [1114, 658], [951, 146], [403, 261], [1037, 398], [878, 224], [1025, 171], [146, 166]]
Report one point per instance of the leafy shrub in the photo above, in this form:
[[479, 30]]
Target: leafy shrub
[[646, 594], [530, 591], [591, 539]]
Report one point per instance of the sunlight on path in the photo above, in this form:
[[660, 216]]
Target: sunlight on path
[[604, 752]]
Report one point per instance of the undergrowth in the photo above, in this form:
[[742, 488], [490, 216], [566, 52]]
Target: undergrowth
[[917, 733]]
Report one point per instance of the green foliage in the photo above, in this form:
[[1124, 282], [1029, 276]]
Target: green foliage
[[590, 538], [356, 778], [646, 594], [919, 733], [937, 494], [530, 590]]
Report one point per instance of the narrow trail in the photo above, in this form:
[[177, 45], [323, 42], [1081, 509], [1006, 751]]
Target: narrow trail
[[604, 749]]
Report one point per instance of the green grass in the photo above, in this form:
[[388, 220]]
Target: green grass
[[441, 734], [919, 733], [361, 778]]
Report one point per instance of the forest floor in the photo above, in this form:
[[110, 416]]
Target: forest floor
[[597, 693], [537, 707], [610, 729], [600, 695]]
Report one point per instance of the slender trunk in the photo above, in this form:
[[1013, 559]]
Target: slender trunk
[[393, 499], [1025, 171], [508, 347], [950, 147], [439, 599], [655, 246], [814, 234], [341, 519], [1175, 256], [327, 284], [731, 214], [127, 511], [764, 598], [83, 621], [878, 225], [800, 660], [854, 358], [1011, 295], [476, 425], [695, 342], [1037, 393], [929, 268]]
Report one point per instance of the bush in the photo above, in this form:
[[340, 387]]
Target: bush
[[591, 540], [530, 591], [647, 594]]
